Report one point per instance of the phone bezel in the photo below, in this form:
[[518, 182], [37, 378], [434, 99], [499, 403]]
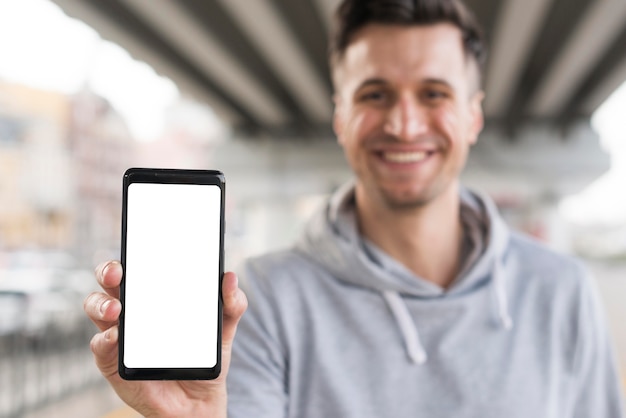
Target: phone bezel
[[171, 176]]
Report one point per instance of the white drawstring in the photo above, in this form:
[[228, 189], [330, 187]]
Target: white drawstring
[[409, 331], [499, 290], [398, 308]]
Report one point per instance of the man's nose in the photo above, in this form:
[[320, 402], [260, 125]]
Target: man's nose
[[406, 120]]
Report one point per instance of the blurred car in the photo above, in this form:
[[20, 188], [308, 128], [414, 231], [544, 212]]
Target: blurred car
[[42, 305], [12, 308]]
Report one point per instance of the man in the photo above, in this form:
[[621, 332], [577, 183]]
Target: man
[[407, 295]]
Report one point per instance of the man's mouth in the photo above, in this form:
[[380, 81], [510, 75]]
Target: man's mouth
[[405, 157]]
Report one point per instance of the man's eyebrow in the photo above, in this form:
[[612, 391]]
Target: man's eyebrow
[[381, 81], [372, 82], [437, 81]]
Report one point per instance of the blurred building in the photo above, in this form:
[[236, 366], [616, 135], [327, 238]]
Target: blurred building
[[36, 191], [61, 163], [188, 139], [102, 149]]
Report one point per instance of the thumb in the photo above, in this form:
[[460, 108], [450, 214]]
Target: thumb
[[105, 350], [235, 304]]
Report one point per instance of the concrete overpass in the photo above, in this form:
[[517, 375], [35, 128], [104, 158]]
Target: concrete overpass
[[261, 65]]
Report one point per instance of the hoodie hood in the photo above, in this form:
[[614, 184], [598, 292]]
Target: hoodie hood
[[332, 239]]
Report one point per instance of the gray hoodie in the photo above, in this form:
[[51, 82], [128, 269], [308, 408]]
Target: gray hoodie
[[336, 328]]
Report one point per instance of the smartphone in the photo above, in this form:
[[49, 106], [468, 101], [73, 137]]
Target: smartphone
[[172, 255]]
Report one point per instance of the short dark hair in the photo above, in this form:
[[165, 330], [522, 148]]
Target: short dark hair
[[352, 15]]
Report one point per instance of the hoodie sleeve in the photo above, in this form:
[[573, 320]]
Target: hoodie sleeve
[[256, 380], [599, 393]]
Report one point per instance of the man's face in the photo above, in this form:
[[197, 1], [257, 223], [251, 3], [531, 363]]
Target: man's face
[[407, 110]]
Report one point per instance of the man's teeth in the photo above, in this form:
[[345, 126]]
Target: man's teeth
[[405, 157]]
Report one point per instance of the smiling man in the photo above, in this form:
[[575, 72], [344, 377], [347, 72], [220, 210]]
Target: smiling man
[[408, 108], [407, 295]]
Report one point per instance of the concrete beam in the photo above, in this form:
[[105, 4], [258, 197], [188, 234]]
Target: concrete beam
[[514, 36], [198, 47], [265, 29], [326, 9], [583, 51], [615, 79], [543, 160], [112, 32]]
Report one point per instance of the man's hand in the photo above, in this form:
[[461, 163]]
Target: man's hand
[[160, 398]]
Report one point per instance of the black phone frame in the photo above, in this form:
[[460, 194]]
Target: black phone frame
[[171, 176]]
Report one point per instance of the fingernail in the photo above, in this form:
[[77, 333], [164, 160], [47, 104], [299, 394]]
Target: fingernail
[[109, 265], [111, 335], [104, 306]]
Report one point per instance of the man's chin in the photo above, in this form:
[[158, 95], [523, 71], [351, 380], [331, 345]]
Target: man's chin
[[405, 200]]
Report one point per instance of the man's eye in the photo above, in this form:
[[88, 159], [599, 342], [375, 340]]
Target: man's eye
[[373, 96], [434, 94]]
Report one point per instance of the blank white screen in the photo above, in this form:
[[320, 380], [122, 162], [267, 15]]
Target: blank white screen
[[172, 276]]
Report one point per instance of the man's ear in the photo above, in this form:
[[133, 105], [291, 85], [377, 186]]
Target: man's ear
[[477, 116], [338, 117]]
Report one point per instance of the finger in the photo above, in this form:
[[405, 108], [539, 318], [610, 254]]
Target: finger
[[102, 309], [235, 304], [104, 348], [109, 276]]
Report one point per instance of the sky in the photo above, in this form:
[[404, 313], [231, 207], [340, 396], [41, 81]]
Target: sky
[[41, 47], [604, 201]]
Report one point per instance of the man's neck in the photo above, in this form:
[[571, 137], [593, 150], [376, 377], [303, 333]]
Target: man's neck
[[427, 239]]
